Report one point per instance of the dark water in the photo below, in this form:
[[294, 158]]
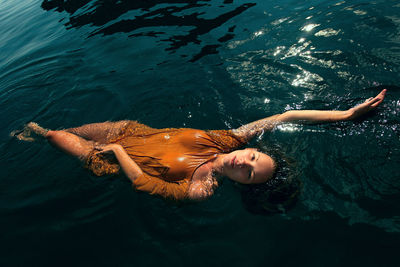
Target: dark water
[[209, 65]]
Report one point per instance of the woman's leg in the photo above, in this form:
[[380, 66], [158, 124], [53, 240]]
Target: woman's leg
[[78, 142], [99, 132], [65, 141], [70, 143], [26, 133]]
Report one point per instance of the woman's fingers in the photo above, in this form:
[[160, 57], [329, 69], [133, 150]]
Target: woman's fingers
[[382, 93], [379, 98], [375, 101], [103, 149], [369, 104]]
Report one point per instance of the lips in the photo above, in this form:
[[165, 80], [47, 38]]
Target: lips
[[233, 162]]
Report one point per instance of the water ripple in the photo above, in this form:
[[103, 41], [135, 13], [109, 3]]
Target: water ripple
[[141, 17]]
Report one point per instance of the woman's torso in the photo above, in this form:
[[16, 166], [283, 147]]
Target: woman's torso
[[171, 154]]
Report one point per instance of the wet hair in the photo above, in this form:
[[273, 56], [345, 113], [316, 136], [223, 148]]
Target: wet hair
[[279, 193]]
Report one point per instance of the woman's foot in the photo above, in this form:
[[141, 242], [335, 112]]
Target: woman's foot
[[26, 133]]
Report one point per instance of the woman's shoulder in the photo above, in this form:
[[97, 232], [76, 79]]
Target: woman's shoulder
[[226, 139]]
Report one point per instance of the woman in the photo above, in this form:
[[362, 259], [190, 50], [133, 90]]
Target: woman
[[181, 163]]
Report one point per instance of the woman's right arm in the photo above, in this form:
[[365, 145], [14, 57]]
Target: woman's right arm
[[143, 182], [252, 129], [128, 165]]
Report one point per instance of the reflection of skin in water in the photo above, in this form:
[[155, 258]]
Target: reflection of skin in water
[[247, 166], [172, 14]]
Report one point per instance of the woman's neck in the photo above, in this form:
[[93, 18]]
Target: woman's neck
[[218, 164]]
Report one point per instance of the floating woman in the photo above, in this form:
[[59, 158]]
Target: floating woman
[[183, 163]]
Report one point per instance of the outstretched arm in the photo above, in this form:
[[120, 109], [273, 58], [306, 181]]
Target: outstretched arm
[[252, 129]]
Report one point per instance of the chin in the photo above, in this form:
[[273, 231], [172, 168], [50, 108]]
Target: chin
[[227, 161]]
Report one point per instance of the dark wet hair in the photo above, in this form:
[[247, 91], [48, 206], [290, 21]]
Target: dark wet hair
[[279, 193]]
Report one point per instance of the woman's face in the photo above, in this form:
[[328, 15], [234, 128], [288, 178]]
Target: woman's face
[[248, 166]]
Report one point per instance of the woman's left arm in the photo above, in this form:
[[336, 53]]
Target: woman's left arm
[[252, 129], [202, 189]]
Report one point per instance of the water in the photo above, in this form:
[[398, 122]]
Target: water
[[209, 65]]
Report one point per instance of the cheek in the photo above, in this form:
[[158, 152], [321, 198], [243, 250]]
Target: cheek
[[240, 175]]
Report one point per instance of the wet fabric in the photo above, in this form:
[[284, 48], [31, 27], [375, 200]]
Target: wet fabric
[[168, 157]]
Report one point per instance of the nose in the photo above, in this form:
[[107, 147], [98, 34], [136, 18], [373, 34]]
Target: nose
[[242, 162]]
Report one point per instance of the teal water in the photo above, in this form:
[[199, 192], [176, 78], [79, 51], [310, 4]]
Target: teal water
[[208, 65]]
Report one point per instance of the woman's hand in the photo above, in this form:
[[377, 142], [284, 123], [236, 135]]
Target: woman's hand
[[128, 165], [110, 148], [367, 106], [202, 189]]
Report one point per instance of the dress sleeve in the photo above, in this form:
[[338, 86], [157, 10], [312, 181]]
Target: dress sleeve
[[226, 139], [101, 164], [155, 186]]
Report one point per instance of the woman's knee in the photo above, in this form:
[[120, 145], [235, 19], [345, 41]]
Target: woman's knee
[[57, 136], [70, 143], [50, 134]]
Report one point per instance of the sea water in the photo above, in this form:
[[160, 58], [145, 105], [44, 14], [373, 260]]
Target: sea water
[[206, 65]]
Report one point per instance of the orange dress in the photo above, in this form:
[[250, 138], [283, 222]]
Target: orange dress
[[168, 157]]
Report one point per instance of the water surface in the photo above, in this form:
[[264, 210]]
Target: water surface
[[208, 65]]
